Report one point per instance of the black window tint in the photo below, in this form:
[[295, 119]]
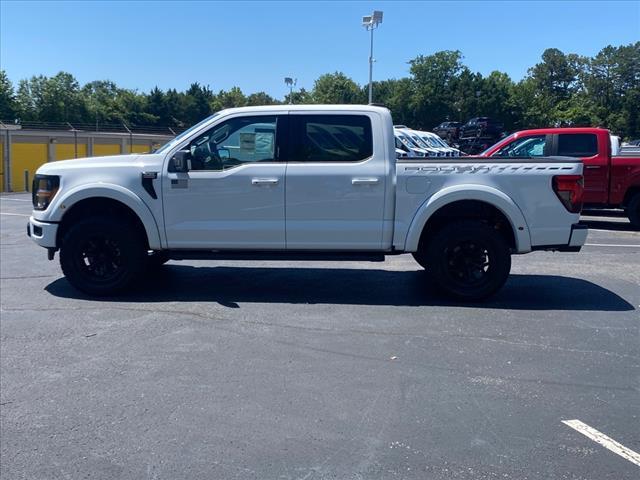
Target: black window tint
[[331, 138], [577, 144]]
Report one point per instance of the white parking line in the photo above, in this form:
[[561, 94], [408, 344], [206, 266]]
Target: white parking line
[[610, 245], [603, 440], [14, 199], [607, 231], [15, 214]]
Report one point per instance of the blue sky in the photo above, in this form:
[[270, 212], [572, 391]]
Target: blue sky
[[254, 45]]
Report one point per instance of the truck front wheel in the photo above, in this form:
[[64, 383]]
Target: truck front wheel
[[633, 211], [101, 256], [469, 260]]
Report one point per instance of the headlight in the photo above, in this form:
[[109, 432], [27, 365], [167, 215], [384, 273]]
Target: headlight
[[44, 189]]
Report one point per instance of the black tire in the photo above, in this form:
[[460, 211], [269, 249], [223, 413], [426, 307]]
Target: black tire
[[468, 259], [101, 256], [633, 211], [156, 260], [419, 257]]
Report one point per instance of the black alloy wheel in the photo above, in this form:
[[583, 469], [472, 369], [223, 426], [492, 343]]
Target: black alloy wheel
[[101, 256], [469, 260]]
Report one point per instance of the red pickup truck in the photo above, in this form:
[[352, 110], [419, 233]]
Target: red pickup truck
[[609, 181]]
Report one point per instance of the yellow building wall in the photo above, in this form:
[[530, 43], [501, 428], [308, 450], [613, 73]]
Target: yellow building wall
[[67, 151], [101, 150], [1, 167], [26, 156], [141, 148]]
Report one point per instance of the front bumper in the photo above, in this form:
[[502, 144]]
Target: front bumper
[[43, 233]]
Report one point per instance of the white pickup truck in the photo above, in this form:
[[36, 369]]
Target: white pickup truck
[[302, 182]]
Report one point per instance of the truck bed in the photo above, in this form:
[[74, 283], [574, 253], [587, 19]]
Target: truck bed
[[522, 185]]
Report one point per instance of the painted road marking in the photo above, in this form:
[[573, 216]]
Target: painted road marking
[[15, 214], [593, 230], [14, 199], [603, 440], [609, 245]]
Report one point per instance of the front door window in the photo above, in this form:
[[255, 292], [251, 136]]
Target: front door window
[[235, 142]]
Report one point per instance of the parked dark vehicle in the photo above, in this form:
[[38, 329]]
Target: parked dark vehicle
[[475, 145], [478, 134], [448, 131], [481, 127]]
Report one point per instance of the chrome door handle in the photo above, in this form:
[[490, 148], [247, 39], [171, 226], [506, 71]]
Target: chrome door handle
[[365, 181], [592, 167], [264, 181]]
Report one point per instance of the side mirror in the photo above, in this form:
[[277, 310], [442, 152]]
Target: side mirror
[[180, 160]]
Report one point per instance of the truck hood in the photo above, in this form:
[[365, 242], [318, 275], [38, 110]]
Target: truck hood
[[93, 163]]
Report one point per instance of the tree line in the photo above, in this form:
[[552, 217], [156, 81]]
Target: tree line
[[561, 89]]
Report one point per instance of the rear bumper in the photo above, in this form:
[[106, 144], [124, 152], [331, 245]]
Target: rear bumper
[[43, 233], [577, 239], [579, 234]]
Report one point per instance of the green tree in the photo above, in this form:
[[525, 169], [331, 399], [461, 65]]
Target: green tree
[[157, 106], [231, 99], [29, 97], [7, 98], [557, 75], [336, 88], [175, 102], [299, 97], [101, 101], [61, 100], [397, 96], [434, 78], [260, 98], [467, 88], [496, 99], [612, 84], [197, 103], [132, 108]]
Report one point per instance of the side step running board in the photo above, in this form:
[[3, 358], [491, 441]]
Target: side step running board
[[276, 255]]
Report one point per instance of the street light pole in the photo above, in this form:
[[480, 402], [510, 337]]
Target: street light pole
[[371, 69], [370, 23]]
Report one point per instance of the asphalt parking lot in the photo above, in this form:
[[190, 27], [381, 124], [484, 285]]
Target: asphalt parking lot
[[275, 370]]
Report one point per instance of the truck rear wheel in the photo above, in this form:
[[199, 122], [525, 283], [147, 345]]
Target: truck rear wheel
[[469, 260], [100, 256], [633, 211]]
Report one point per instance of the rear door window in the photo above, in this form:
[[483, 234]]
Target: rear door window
[[331, 138], [577, 144]]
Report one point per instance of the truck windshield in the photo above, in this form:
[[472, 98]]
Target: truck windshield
[[431, 142], [440, 142], [184, 134], [406, 139], [506, 141]]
